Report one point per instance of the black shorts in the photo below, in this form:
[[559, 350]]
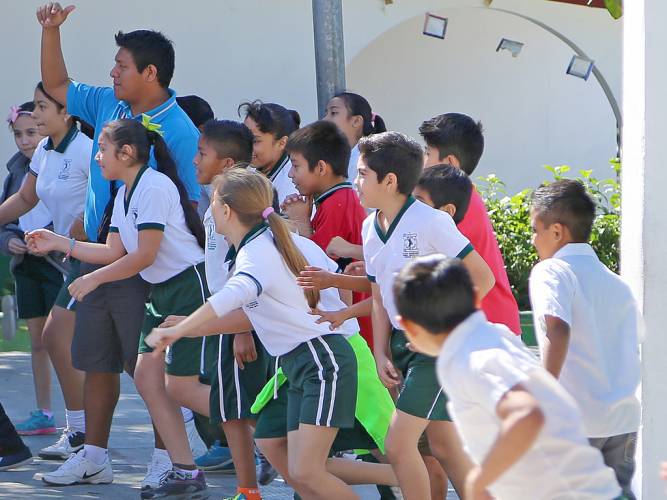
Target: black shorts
[[108, 325], [37, 286]]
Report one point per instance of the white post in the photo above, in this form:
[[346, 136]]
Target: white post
[[644, 227]]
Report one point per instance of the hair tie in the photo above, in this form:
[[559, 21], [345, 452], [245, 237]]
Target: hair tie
[[267, 211], [14, 113], [150, 126], [373, 116]]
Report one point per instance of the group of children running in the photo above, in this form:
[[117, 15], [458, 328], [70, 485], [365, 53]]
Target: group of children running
[[310, 290]]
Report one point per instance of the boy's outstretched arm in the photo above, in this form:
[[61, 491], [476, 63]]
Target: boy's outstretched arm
[[54, 71], [480, 272], [521, 423], [556, 343]]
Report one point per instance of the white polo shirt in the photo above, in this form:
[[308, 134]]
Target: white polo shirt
[[38, 217], [417, 230], [279, 177], [478, 364], [352, 166], [215, 254], [62, 177], [602, 367], [153, 203], [264, 286]]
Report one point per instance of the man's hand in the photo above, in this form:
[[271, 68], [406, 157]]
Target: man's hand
[[314, 278], [17, 247], [52, 15], [244, 349], [387, 372]]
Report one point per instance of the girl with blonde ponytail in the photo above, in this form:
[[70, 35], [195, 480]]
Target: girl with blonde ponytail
[[261, 293]]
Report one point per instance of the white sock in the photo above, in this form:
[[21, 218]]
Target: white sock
[[76, 420], [95, 454], [187, 414], [162, 454]]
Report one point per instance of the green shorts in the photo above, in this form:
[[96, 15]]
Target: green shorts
[[37, 286], [180, 295], [233, 390], [421, 394], [322, 374], [64, 299]]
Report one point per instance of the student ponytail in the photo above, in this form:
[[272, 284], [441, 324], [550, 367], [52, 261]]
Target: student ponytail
[[133, 133], [357, 105], [271, 118], [250, 195]]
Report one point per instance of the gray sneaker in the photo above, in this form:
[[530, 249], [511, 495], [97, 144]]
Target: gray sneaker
[[265, 471], [179, 486]]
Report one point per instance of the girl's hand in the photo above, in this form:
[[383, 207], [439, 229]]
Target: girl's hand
[[298, 208], [161, 338], [172, 321], [338, 247], [357, 268], [244, 349], [53, 15], [77, 230], [387, 372], [43, 241], [314, 278], [17, 247], [335, 318], [474, 490], [83, 286]]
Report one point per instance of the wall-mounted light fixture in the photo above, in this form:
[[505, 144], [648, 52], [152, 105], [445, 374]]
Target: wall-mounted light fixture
[[580, 67], [512, 46], [435, 26]]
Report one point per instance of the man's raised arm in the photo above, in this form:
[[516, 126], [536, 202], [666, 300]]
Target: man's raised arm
[[54, 71]]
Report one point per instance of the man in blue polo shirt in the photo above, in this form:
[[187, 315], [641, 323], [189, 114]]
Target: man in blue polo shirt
[[108, 322]]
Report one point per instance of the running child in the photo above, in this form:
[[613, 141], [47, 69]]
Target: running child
[[458, 140], [320, 364], [400, 229], [271, 124], [58, 178], [155, 231], [520, 426], [587, 324]]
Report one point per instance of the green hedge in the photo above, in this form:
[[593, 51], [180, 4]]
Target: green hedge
[[510, 215]]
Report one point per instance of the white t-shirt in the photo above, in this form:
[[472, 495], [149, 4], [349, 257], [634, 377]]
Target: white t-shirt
[[417, 230], [264, 286], [602, 367], [62, 177], [479, 363], [38, 217], [215, 253], [154, 203], [280, 179], [352, 166]]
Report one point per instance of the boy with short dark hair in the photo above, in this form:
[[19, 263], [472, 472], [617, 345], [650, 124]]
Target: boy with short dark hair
[[587, 323], [521, 427], [445, 188], [456, 139], [401, 229]]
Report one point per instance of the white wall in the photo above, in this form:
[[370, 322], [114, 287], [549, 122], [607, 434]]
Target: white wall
[[228, 51]]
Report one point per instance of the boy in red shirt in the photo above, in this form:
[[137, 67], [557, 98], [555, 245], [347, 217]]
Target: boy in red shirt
[[320, 154], [457, 139]]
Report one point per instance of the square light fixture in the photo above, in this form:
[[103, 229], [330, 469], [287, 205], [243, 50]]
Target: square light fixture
[[435, 26], [512, 46], [580, 67]]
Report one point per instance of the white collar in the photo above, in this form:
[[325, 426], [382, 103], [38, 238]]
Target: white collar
[[583, 249], [459, 334]]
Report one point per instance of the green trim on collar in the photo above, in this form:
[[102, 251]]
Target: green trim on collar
[[150, 225], [64, 143], [128, 195], [332, 190], [250, 235], [385, 237], [275, 170]]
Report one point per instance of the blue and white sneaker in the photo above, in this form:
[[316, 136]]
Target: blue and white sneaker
[[217, 458], [12, 460], [39, 423]]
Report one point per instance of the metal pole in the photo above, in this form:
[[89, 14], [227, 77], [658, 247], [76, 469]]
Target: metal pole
[[329, 50]]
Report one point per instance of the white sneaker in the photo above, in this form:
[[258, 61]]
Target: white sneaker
[[197, 446], [158, 469], [79, 470], [69, 442]]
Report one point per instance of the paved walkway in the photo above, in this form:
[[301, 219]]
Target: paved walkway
[[130, 445]]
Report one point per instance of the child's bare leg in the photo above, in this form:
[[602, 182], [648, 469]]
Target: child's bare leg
[[357, 472], [403, 453], [307, 450], [239, 440], [41, 363], [166, 414], [437, 477], [447, 447], [189, 392]]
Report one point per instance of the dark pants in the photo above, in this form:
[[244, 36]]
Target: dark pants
[[619, 454], [10, 441]]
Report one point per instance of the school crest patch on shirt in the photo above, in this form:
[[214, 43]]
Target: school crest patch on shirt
[[410, 245], [135, 214], [63, 175]]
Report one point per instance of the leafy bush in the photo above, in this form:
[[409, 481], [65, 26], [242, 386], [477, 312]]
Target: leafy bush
[[510, 215]]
